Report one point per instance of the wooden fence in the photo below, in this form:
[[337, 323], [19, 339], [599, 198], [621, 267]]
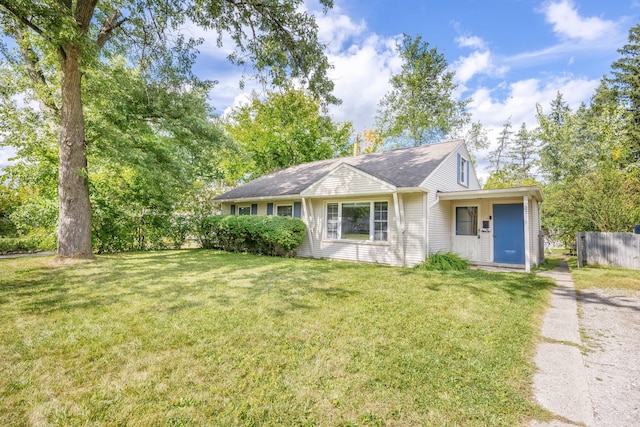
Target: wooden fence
[[613, 249]]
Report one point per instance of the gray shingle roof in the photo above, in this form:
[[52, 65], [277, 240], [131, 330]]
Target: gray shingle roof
[[407, 167]]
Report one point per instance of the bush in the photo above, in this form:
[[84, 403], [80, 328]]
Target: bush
[[444, 261], [27, 244], [268, 235]]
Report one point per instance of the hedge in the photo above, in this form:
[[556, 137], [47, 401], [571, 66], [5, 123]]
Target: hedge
[[27, 244], [267, 235]]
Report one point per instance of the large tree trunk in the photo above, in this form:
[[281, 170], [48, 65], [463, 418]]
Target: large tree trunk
[[74, 225]]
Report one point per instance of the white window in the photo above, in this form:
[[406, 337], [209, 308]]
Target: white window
[[354, 221], [463, 170], [467, 221], [284, 210], [244, 210]]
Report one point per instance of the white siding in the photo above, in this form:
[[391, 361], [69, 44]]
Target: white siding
[[486, 237], [535, 232], [439, 219], [381, 252], [414, 233], [445, 178], [345, 180]]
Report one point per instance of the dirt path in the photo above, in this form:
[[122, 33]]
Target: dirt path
[[610, 327]]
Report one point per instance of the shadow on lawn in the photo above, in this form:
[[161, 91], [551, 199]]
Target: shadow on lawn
[[478, 282], [173, 280]]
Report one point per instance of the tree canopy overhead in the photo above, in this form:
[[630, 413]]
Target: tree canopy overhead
[[59, 44]]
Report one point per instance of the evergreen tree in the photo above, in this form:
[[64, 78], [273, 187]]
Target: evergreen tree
[[626, 84]]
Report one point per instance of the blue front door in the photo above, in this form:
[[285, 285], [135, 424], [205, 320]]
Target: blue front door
[[508, 234]]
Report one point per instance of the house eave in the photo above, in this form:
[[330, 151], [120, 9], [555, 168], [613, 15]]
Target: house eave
[[494, 193], [284, 197]]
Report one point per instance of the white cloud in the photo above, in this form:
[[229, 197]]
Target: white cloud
[[519, 104], [567, 23], [337, 31], [363, 64], [480, 61], [473, 42], [361, 76]]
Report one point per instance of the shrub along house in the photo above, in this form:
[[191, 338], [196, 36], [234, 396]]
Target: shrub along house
[[396, 207]]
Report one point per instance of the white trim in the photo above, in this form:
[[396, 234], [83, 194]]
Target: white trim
[[309, 191], [399, 228], [463, 179], [402, 190], [428, 231], [371, 239], [307, 221], [527, 234], [476, 238], [534, 192], [455, 207], [292, 197]]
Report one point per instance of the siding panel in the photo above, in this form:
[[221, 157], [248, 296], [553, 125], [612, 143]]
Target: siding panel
[[413, 233], [344, 181]]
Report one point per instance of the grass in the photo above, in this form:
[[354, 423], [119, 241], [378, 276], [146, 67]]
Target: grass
[[601, 277], [444, 261], [199, 337], [550, 262]]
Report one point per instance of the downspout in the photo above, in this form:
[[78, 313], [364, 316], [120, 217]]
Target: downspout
[[431, 205], [540, 234], [399, 227], [527, 235], [308, 223]]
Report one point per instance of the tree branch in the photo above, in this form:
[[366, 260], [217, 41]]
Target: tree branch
[[34, 71], [21, 18], [109, 26], [84, 13]]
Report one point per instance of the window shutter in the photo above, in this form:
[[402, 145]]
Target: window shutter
[[297, 208], [254, 209], [466, 175], [459, 164], [233, 209], [269, 208]]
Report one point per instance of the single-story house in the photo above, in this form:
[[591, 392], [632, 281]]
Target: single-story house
[[398, 206]]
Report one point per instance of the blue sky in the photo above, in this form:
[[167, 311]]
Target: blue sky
[[508, 55]]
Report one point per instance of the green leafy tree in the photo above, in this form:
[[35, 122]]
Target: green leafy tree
[[59, 42], [605, 199], [285, 129], [157, 144], [420, 108]]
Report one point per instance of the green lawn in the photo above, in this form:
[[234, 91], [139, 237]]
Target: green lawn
[[199, 337], [602, 277]]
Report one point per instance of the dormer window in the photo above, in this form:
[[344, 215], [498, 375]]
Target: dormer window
[[463, 171]]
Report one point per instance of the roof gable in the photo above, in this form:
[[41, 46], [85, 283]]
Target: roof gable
[[347, 180], [408, 167]]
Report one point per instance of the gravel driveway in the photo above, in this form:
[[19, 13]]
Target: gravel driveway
[[610, 327]]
